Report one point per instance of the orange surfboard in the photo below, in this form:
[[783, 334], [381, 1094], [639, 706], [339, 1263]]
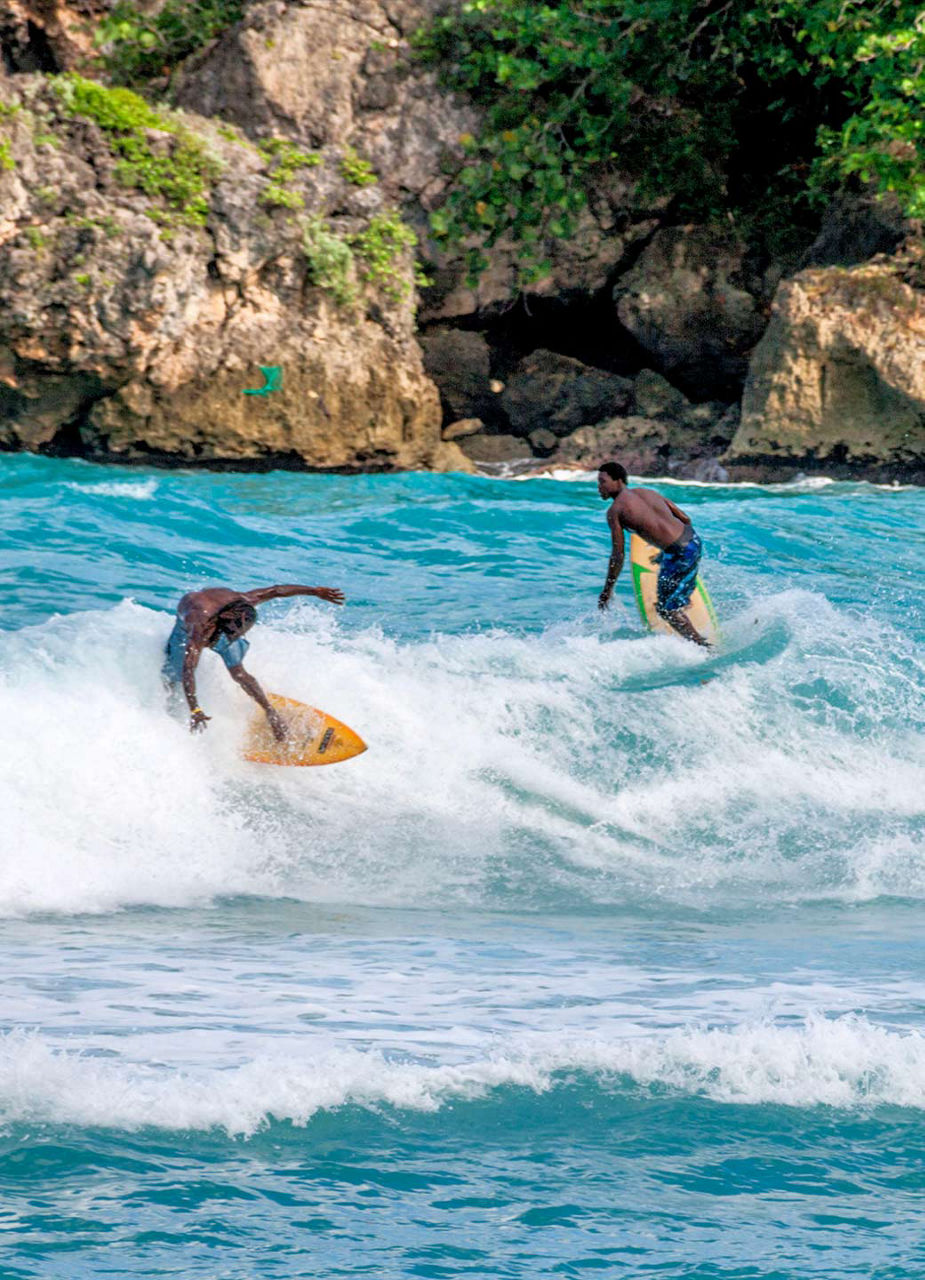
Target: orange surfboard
[[313, 737]]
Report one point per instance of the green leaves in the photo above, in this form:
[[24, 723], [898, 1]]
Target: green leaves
[[139, 45], [179, 174], [691, 98]]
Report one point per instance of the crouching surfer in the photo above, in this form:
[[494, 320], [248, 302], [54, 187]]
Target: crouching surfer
[[660, 522], [218, 619]]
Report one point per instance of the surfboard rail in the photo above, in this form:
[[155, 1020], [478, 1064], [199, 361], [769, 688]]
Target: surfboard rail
[[645, 587], [313, 737]]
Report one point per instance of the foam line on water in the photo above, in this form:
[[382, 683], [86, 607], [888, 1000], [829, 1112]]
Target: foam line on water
[[846, 1062], [140, 490]]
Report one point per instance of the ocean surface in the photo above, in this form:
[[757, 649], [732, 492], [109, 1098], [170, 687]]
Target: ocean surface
[[606, 959]]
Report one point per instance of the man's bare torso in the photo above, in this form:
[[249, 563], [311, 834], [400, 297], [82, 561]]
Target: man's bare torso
[[647, 513], [198, 610]]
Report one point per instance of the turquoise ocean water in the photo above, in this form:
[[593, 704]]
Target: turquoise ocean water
[[605, 959]]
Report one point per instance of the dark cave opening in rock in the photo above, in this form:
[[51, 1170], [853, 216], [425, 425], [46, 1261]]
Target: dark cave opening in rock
[[585, 328]]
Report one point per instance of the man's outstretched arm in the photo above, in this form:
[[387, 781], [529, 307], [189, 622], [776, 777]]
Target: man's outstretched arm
[[616, 559], [251, 687], [261, 594]]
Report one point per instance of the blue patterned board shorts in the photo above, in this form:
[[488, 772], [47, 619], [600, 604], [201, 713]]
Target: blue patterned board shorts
[[677, 576], [231, 652]]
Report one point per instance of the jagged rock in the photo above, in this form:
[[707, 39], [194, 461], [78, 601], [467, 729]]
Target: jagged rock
[[339, 75], [464, 427], [839, 377], [493, 450], [685, 303], [559, 394], [579, 266], [459, 361], [127, 343]]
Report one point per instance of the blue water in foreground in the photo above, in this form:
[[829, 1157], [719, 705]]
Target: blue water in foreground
[[605, 959]]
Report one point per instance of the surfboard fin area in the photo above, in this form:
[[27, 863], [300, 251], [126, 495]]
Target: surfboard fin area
[[313, 737], [645, 585]]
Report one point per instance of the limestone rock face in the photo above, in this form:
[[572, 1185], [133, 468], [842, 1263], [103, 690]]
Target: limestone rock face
[[338, 75], [839, 377], [139, 344], [686, 304], [346, 76], [556, 393]]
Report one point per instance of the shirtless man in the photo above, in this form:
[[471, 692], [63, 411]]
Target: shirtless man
[[660, 522], [217, 619]]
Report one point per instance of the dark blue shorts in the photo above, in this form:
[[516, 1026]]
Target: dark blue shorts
[[230, 651], [677, 576]]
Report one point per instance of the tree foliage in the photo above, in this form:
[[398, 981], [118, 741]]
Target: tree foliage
[[140, 43], [753, 107]]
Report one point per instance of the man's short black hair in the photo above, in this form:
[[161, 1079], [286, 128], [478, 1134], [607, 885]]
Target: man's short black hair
[[614, 470], [237, 612]]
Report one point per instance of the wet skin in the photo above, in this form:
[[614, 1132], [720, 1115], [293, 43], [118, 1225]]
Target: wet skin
[[654, 518], [207, 615]]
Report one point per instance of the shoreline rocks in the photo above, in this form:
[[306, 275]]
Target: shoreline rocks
[[131, 334]]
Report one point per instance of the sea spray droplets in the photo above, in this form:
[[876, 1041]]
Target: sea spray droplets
[[544, 771]]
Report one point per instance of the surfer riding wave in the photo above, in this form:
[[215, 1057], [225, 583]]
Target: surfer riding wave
[[666, 526], [218, 618]]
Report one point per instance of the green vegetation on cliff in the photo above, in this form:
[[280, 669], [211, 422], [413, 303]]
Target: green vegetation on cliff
[[178, 173], [375, 256], [139, 44], [284, 159], [748, 108]]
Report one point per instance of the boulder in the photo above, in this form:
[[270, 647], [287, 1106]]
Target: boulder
[[543, 442], [657, 398], [703, 470], [464, 427], [558, 394], [495, 450], [855, 228], [838, 381], [686, 303], [50, 35], [459, 361], [641, 444]]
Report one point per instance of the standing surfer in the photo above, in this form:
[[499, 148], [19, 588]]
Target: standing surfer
[[666, 526], [218, 619]]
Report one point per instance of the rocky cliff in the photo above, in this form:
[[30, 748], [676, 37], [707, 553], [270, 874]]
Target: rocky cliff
[[150, 265], [153, 261]]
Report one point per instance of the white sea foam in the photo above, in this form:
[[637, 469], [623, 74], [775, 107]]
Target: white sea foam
[[800, 484], [846, 1062], [140, 490], [505, 769]]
